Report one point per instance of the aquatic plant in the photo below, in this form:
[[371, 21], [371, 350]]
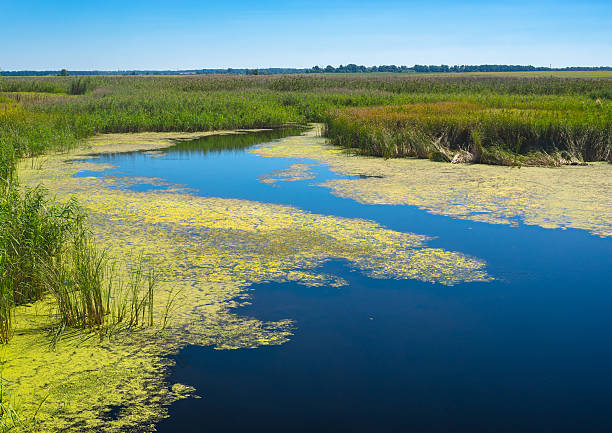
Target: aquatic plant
[[9, 417], [131, 304], [46, 249], [33, 230], [562, 197], [490, 119], [79, 86], [500, 131]]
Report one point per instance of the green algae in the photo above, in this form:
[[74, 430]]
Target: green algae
[[561, 197], [208, 251], [294, 172]]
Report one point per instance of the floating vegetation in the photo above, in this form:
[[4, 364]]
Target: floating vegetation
[[155, 153], [293, 173], [47, 252], [207, 251], [562, 197]]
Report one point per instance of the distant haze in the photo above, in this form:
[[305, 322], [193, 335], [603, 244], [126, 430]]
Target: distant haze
[[110, 35]]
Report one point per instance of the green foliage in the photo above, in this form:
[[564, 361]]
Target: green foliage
[[78, 86], [522, 115], [33, 234], [45, 249]]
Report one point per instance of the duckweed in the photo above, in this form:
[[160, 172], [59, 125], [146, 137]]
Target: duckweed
[[207, 252], [292, 173], [577, 197]]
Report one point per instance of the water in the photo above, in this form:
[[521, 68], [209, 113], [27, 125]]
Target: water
[[528, 352]]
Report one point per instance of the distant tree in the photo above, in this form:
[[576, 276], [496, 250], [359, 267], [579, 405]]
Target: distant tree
[[252, 71], [64, 73]]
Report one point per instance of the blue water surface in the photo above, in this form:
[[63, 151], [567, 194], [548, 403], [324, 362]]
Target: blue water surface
[[528, 352]]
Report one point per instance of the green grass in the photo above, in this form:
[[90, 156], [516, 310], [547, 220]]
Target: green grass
[[505, 130], [32, 121], [9, 417]]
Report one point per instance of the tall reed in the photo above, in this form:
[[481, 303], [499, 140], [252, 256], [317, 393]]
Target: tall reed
[[499, 131], [47, 250]]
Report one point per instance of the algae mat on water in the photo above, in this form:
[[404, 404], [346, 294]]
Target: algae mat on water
[[208, 251], [561, 197]]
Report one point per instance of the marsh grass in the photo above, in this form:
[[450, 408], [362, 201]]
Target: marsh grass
[[33, 231], [47, 250], [55, 112], [171, 300], [131, 304], [502, 131], [77, 280], [9, 417], [79, 86]]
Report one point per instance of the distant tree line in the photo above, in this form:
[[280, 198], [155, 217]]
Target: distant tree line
[[350, 68], [500, 68]]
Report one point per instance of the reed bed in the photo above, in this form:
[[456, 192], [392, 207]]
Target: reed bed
[[399, 84], [47, 251], [501, 130], [44, 113]]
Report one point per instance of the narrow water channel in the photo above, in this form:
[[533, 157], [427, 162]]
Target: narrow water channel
[[529, 351]]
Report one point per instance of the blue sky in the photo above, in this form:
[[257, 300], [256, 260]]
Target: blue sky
[[185, 34]]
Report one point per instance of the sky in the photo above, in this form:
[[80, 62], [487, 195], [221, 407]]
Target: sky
[[189, 34]]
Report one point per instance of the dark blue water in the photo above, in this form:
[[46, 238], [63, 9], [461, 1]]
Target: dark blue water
[[528, 352]]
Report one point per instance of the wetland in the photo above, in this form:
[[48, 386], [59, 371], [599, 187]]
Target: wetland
[[306, 283], [355, 307]]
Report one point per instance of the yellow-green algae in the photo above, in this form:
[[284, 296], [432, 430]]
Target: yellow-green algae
[[560, 197], [208, 251], [292, 173]]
